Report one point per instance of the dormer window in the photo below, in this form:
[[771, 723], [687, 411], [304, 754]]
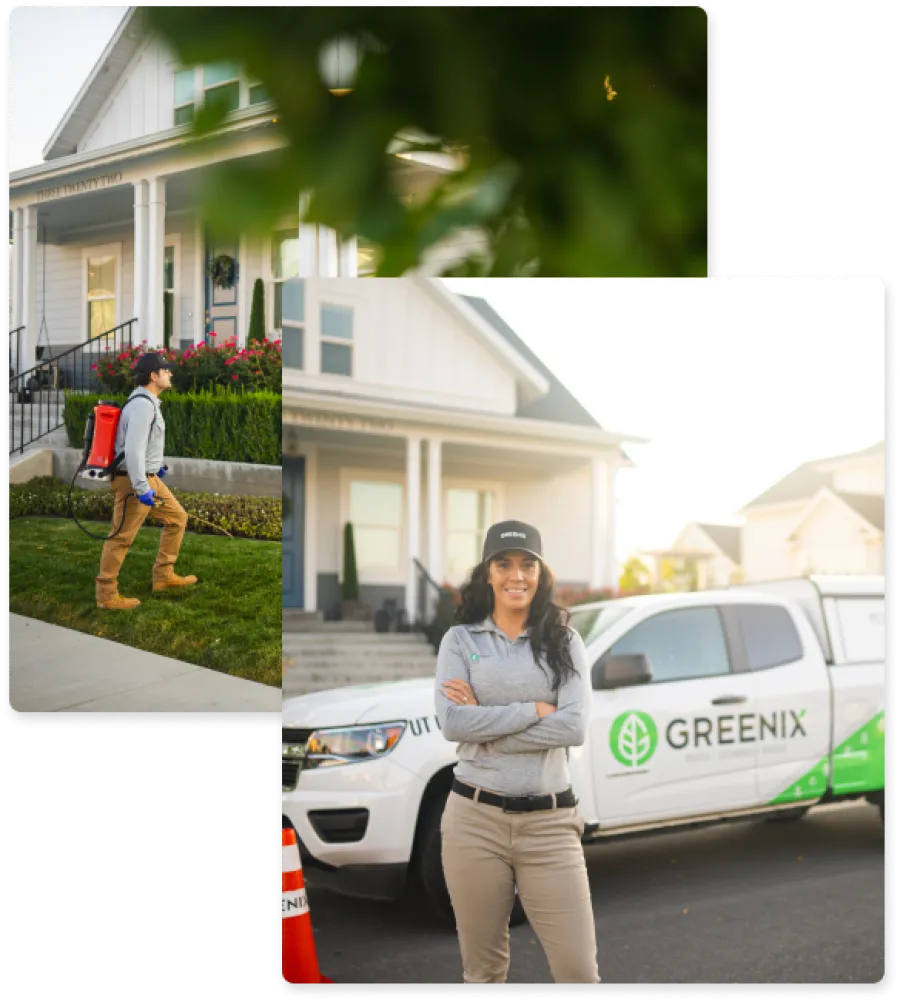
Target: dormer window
[[184, 97], [222, 83], [257, 92]]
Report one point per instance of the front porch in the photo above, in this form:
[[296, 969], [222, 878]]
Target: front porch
[[421, 496]]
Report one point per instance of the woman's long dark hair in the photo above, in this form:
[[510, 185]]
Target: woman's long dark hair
[[549, 622]]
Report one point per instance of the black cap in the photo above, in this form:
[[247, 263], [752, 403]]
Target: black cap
[[511, 535], [152, 361]]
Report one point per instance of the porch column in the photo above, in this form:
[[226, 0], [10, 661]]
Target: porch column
[[27, 356], [156, 239], [15, 290], [435, 534], [603, 529], [328, 253], [198, 325], [310, 529], [413, 507], [347, 258], [308, 242], [140, 257]]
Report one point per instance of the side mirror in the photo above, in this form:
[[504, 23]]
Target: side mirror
[[615, 671]]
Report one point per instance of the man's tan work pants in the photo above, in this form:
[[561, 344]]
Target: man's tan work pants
[[487, 855], [167, 510]]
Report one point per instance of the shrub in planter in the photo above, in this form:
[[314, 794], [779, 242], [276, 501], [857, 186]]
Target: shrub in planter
[[247, 517], [217, 424], [351, 607], [256, 332]]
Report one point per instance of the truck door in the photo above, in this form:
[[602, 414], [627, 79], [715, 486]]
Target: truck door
[[780, 656], [673, 748]]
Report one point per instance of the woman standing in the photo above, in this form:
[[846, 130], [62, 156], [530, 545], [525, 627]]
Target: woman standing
[[513, 690]]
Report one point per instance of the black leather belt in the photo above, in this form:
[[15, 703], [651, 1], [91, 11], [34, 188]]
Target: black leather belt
[[517, 805]]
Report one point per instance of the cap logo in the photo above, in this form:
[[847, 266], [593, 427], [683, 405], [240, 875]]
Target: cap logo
[[518, 535]]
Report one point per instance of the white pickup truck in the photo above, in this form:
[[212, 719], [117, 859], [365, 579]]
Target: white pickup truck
[[751, 702]]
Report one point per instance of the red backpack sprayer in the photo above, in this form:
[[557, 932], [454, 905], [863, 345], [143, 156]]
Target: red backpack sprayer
[[99, 461]]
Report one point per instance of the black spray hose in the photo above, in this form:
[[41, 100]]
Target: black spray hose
[[80, 526]]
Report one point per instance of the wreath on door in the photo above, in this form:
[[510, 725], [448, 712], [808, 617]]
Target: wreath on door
[[223, 271]]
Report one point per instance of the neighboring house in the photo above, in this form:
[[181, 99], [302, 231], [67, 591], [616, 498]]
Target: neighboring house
[[419, 416], [826, 517], [703, 556], [108, 228]]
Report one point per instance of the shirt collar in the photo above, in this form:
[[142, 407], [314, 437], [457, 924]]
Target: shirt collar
[[489, 626]]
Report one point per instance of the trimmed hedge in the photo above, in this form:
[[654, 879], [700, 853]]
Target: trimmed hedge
[[248, 517], [214, 424]]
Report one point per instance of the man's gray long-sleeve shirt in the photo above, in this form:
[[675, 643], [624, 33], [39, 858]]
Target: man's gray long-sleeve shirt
[[503, 745], [141, 435]]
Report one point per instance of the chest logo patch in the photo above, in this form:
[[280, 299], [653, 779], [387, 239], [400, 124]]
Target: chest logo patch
[[473, 657]]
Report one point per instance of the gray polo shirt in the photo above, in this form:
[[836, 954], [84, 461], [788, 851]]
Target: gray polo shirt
[[503, 745], [141, 435]]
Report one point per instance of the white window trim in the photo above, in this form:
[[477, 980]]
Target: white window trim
[[347, 476], [193, 102], [174, 240], [100, 250], [238, 79], [271, 281], [322, 339], [466, 484]]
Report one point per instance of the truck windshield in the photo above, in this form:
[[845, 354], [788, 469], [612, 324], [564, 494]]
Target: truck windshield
[[590, 623]]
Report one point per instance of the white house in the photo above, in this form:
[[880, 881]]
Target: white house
[[825, 517], [108, 227], [705, 555], [420, 417]]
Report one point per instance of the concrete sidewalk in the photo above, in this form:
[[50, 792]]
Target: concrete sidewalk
[[52, 668]]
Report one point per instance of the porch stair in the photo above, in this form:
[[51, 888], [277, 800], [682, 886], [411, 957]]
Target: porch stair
[[331, 656], [39, 424]]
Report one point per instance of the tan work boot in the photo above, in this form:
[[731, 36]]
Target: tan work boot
[[119, 602], [175, 581]]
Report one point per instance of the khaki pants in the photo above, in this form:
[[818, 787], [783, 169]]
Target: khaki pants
[[170, 513], [486, 855]]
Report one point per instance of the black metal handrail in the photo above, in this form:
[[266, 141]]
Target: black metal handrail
[[14, 349], [437, 625], [36, 395]]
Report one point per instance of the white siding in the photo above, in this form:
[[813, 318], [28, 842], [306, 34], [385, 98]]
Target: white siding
[[830, 540], [142, 102], [766, 550], [560, 508], [866, 477], [719, 570], [409, 347]]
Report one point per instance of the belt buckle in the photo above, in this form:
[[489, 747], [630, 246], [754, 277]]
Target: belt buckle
[[515, 805]]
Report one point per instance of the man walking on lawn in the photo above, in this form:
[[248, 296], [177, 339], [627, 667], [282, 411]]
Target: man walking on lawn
[[141, 437]]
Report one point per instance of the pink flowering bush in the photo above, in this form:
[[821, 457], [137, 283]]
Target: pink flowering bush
[[204, 365]]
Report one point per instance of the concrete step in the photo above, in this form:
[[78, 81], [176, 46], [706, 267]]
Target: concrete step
[[355, 638], [293, 625], [353, 655], [297, 619], [296, 682]]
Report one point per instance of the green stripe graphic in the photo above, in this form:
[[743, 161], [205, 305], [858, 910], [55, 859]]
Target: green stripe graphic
[[857, 765]]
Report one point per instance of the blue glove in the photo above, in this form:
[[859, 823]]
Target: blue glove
[[162, 471], [147, 498]]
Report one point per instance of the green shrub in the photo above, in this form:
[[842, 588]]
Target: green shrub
[[247, 517], [214, 424], [350, 580]]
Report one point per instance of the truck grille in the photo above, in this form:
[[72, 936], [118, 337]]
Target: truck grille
[[290, 767]]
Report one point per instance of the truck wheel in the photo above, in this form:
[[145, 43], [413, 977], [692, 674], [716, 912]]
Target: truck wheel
[[430, 871]]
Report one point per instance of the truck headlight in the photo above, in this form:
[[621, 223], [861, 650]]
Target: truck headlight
[[345, 745]]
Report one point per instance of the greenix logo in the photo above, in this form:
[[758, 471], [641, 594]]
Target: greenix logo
[[633, 738]]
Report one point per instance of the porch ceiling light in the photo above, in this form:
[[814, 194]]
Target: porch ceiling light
[[339, 62]]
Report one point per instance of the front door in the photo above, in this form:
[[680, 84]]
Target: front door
[[674, 748], [293, 479], [222, 294]]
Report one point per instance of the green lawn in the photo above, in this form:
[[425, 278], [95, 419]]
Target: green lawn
[[230, 620]]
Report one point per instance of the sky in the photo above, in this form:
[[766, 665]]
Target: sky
[[734, 382], [67, 39]]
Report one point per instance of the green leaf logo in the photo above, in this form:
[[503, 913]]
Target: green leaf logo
[[633, 738]]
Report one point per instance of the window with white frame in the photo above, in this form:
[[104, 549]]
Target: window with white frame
[[336, 337], [184, 96], [257, 93], [222, 85], [101, 266], [285, 265], [376, 512], [292, 321], [469, 514]]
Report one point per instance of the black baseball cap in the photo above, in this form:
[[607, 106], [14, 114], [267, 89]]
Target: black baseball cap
[[511, 535], [152, 361]]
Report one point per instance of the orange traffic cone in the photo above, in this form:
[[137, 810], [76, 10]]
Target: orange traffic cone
[[298, 949]]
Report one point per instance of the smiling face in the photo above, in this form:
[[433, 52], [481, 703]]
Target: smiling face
[[514, 577]]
